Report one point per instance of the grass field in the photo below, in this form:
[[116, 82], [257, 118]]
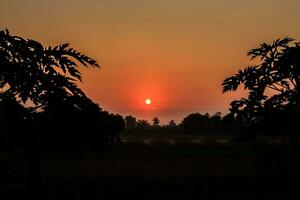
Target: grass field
[[160, 169]]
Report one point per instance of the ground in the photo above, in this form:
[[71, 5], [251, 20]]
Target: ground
[[161, 169]]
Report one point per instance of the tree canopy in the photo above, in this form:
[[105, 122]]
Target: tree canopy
[[273, 84], [39, 88], [273, 103], [33, 72]]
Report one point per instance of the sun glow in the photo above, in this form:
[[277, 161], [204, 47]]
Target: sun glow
[[148, 101]]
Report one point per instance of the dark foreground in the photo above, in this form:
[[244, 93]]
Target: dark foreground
[[162, 172]]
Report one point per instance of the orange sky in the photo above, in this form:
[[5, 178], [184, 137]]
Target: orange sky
[[175, 52]]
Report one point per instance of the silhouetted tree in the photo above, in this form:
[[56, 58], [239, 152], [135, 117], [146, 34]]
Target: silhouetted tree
[[156, 122], [229, 125], [274, 88], [195, 123], [216, 123], [278, 71], [33, 72], [15, 121], [143, 124], [112, 126], [43, 76], [172, 124], [206, 124], [130, 122]]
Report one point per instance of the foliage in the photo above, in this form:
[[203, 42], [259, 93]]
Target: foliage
[[33, 72], [204, 124], [13, 115], [142, 124], [194, 123], [156, 122], [171, 124], [273, 84], [130, 122], [112, 125], [47, 78]]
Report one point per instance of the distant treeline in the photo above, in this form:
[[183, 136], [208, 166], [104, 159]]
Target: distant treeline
[[194, 123]]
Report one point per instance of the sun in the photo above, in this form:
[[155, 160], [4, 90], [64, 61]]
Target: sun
[[148, 101]]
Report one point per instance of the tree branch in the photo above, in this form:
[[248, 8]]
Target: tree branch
[[281, 85], [273, 88], [292, 81]]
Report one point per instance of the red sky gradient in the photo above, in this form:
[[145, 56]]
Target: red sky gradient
[[175, 52]]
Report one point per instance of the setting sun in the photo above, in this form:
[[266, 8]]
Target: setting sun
[[148, 101]]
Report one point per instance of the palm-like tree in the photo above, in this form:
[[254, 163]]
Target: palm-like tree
[[278, 74], [45, 76], [33, 72]]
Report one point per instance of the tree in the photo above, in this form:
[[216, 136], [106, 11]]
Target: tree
[[172, 124], [130, 122], [142, 124], [33, 72], [45, 76], [216, 123], [278, 71], [195, 123], [14, 122], [113, 124], [156, 122], [273, 85]]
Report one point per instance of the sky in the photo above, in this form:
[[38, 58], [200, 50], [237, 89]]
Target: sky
[[174, 52]]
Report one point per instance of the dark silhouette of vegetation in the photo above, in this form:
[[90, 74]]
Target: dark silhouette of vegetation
[[143, 124], [194, 123], [278, 71], [113, 124], [197, 123], [274, 89], [272, 107], [156, 122], [134, 125], [172, 124], [42, 107], [130, 122]]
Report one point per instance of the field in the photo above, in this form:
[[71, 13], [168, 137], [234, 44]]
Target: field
[[164, 168]]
